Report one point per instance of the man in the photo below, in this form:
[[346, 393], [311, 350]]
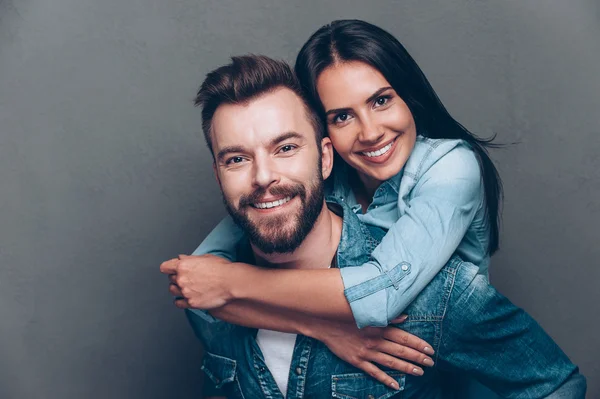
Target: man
[[270, 162]]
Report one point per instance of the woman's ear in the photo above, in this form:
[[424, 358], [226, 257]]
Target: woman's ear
[[326, 157]]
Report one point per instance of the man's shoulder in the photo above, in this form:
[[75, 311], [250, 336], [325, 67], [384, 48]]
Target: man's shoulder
[[358, 239]]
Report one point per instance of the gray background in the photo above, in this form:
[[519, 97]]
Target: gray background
[[104, 174]]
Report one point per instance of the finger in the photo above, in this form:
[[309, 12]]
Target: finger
[[400, 319], [175, 290], [182, 256], [182, 303], [401, 337], [173, 278], [169, 266], [379, 375], [405, 353], [397, 364]]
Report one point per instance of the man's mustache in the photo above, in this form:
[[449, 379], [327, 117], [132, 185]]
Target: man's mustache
[[284, 191]]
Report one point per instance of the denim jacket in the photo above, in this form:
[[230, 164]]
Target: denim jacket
[[473, 329], [432, 209]]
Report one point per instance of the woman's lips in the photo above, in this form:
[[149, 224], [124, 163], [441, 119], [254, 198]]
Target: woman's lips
[[381, 155]]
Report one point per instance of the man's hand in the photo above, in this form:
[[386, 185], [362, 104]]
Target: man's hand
[[385, 346], [199, 282]]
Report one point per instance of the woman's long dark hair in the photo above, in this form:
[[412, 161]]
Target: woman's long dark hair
[[355, 40]]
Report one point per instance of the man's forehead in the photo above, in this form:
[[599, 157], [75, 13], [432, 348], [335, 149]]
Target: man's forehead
[[260, 119]]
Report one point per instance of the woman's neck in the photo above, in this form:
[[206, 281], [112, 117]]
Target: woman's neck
[[364, 188]]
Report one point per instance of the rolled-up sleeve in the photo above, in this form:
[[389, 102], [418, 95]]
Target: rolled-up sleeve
[[440, 209]]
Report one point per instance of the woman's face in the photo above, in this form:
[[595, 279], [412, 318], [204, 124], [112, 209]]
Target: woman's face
[[370, 126]]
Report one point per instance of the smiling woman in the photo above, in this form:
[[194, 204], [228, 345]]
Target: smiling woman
[[370, 126]]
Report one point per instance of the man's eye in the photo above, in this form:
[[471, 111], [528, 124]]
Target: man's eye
[[233, 160], [287, 148]]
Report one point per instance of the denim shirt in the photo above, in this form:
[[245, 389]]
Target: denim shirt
[[472, 328], [432, 209]]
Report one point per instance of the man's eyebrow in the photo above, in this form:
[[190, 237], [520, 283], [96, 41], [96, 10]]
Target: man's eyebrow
[[229, 150], [238, 149], [286, 136], [367, 101]]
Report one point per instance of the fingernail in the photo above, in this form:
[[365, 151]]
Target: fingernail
[[403, 317], [417, 371], [428, 362], [395, 386], [428, 350]]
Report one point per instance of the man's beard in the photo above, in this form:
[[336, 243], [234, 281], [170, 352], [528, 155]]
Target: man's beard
[[271, 234]]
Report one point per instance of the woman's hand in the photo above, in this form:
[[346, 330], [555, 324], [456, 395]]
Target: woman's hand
[[200, 282], [390, 347]]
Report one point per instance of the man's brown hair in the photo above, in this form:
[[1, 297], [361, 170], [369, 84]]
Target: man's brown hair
[[244, 79]]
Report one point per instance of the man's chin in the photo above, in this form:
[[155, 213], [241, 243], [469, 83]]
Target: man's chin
[[275, 240]]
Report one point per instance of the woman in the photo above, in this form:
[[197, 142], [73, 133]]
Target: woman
[[409, 168]]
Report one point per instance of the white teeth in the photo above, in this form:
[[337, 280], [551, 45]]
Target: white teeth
[[379, 152], [268, 205]]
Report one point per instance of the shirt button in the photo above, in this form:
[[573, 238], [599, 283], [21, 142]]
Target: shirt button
[[404, 267], [371, 397], [298, 371]]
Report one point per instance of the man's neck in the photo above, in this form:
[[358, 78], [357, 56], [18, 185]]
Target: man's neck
[[316, 251]]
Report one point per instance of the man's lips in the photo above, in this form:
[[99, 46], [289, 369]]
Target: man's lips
[[271, 203]]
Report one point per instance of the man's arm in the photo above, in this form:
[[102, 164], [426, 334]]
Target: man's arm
[[361, 348]]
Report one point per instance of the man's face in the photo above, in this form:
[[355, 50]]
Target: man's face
[[270, 168]]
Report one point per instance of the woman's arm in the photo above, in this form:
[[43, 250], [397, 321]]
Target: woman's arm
[[417, 246], [434, 220], [222, 240], [412, 252]]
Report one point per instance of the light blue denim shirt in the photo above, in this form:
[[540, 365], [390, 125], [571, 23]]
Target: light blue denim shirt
[[433, 208]]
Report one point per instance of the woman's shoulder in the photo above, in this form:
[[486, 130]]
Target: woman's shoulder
[[446, 156]]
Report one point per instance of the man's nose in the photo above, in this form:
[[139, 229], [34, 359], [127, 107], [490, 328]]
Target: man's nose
[[264, 173]]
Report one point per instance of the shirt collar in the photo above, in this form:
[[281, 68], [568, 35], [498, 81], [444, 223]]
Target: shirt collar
[[353, 249]]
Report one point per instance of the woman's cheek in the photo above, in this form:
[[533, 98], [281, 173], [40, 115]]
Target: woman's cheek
[[340, 144]]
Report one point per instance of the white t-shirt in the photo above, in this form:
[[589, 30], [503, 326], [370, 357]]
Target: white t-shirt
[[277, 348]]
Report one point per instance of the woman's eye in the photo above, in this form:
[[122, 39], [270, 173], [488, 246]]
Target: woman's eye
[[233, 160], [381, 101], [341, 118]]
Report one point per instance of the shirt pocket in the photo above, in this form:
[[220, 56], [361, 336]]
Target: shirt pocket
[[362, 386], [220, 369]]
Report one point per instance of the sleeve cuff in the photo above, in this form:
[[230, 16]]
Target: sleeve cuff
[[368, 308], [365, 288]]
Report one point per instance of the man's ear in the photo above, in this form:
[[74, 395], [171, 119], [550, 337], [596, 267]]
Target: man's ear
[[326, 157], [217, 175]]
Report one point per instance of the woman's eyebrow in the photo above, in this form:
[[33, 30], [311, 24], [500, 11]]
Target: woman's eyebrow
[[377, 94], [367, 101], [337, 111]]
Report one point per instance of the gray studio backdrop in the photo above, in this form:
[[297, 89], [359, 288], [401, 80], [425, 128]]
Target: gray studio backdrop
[[104, 173]]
